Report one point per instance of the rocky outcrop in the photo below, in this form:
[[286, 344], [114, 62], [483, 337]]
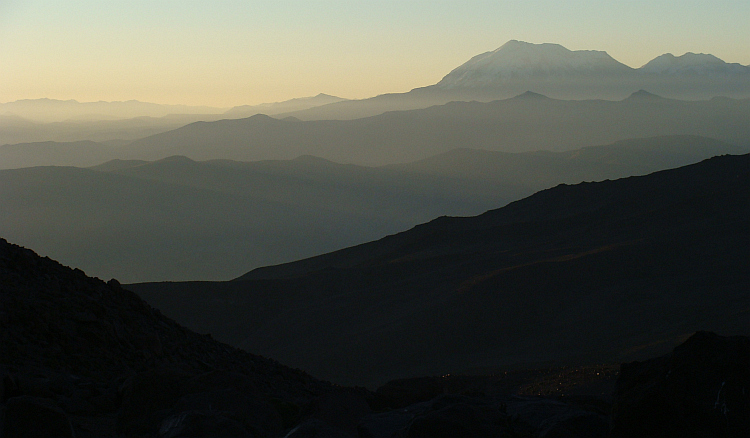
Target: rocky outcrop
[[702, 389]]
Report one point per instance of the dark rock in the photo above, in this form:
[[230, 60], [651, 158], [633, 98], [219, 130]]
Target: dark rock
[[110, 363], [254, 416], [314, 428], [177, 403], [538, 412], [147, 399], [459, 416], [8, 386], [404, 392], [342, 409], [701, 389], [200, 424], [289, 412], [27, 416], [220, 379], [390, 423], [35, 385], [576, 424]]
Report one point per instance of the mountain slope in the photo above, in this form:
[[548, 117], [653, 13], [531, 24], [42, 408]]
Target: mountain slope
[[575, 274], [80, 357], [517, 59]]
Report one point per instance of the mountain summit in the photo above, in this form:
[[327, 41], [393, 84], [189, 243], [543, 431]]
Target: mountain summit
[[556, 72], [692, 63], [518, 60]]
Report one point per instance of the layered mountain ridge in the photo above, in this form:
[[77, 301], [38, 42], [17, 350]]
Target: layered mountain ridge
[[526, 122], [240, 215]]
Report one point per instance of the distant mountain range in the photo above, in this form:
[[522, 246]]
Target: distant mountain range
[[298, 104], [119, 219], [512, 69], [557, 72], [589, 273], [53, 110], [42, 120], [524, 123], [527, 122]]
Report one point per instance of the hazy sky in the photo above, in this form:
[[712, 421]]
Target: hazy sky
[[233, 52]]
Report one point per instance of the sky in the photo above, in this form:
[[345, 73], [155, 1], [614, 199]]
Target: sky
[[230, 52]]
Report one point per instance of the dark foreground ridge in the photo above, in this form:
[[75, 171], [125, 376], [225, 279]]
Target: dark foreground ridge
[[605, 272], [80, 357], [84, 358]]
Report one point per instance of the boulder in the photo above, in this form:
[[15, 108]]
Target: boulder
[[314, 428], [198, 424], [147, 399], [255, 416], [576, 424], [343, 409], [404, 392], [27, 416], [460, 416], [701, 389]]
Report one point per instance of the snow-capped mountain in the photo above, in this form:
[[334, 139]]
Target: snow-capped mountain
[[557, 72], [518, 59], [692, 63]]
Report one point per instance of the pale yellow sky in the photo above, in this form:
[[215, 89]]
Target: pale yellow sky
[[231, 52]]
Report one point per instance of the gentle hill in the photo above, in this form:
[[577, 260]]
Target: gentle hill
[[524, 123], [593, 272], [298, 104]]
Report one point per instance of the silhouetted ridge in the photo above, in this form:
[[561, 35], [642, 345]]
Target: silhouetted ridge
[[112, 328], [633, 195], [77, 353]]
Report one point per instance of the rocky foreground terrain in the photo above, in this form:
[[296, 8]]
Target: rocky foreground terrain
[[84, 358]]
